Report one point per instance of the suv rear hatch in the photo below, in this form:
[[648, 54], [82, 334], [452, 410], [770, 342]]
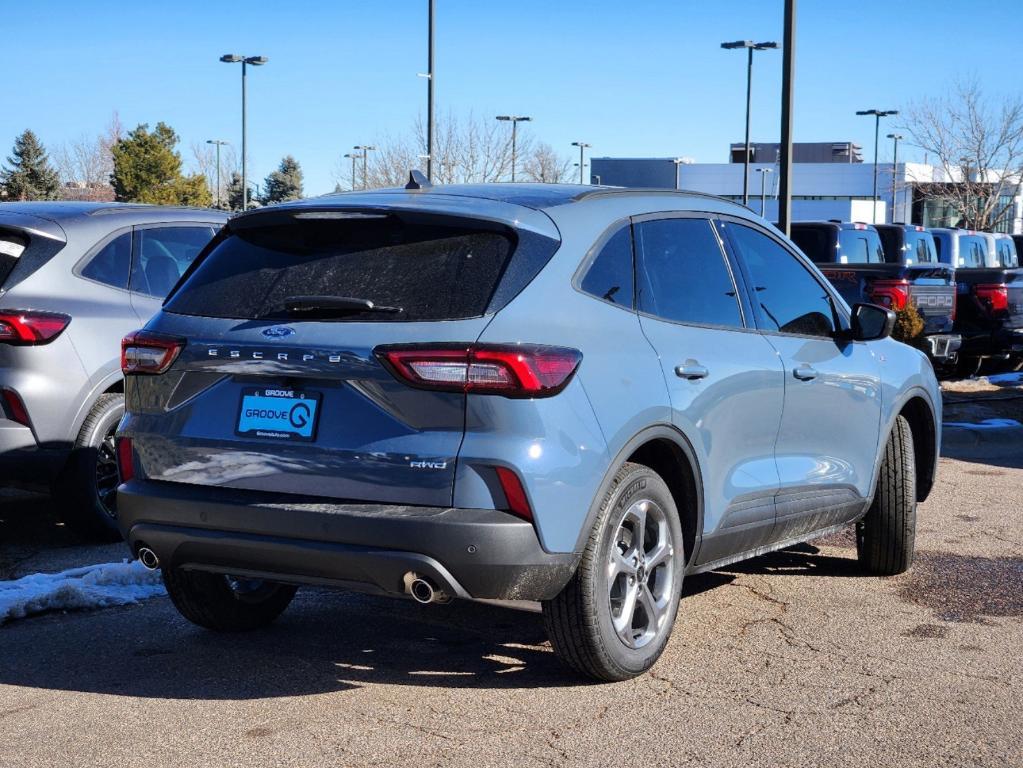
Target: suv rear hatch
[[279, 386]]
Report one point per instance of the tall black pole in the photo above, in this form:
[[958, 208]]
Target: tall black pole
[[581, 150], [745, 160], [353, 172], [429, 99], [365, 167], [763, 192], [788, 75], [245, 187], [218, 174]]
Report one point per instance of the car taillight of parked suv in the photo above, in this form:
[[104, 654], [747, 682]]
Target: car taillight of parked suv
[[567, 394], [74, 278]]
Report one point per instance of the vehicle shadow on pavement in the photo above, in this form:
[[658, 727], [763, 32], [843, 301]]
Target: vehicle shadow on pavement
[[804, 559]]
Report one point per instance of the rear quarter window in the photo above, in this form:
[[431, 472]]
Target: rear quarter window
[[431, 271], [11, 248]]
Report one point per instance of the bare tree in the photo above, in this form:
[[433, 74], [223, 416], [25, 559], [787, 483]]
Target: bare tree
[[978, 144], [204, 161], [544, 165]]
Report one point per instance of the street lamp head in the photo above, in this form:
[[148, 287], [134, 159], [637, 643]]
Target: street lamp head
[[765, 46], [896, 136], [514, 118], [230, 58], [877, 112], [580, 144], [739, 44], [256, 61]]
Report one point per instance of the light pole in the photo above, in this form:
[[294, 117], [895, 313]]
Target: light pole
[[353, 157], [877, 114], [750, 46], [365, 149], [429, 97], [219, 144], [514, 120], [679, 162], [256, 61], [582, 148], [788, 79], [763, 188], [896, 138]]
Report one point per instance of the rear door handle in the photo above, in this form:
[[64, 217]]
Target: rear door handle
[[691, 370], [805, 372]]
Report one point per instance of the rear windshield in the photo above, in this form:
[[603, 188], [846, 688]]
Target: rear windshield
[[429, 271], [21, 254], [859, 246], [971, 251]]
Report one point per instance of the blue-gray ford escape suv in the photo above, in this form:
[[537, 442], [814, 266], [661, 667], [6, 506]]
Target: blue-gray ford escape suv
[[569, 394]]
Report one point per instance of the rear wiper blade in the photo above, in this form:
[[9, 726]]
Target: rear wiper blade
[[333, 305]]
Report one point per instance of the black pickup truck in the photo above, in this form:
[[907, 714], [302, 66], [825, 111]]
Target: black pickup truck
[[856, 262], [989, 304]]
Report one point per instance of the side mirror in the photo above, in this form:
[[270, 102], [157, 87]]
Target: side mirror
[[871, 322]]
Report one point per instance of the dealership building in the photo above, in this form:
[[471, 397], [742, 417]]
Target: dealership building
[[829, 181]]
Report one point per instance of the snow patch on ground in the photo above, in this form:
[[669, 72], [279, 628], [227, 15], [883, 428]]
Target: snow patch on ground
[[986, 424], [94, 586]]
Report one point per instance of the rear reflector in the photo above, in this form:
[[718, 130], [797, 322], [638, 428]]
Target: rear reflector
[[30, 328], [144, 352], [514, 493], [523, 370], [994, 296], [125, 459], [14, 407]]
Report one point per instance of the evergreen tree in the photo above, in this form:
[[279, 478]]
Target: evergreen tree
[[283, 184], [28, 174], [234, 192], [147, 169]]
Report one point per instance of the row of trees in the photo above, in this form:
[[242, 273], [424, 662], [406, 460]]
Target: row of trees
[[141, 166]]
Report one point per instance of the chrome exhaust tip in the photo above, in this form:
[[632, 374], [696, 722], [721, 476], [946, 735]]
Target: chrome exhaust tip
[[423, 590], [149, 559]]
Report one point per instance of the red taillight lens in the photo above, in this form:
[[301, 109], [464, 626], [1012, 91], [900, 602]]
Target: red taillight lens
[[144, 352], [994, 297], [514, 493], [523, 370], [125, 459], [893, 294], [29, 328], [14, 407]]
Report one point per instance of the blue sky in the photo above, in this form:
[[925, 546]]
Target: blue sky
[[642, 78]]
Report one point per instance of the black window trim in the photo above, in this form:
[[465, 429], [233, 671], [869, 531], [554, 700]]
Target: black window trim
[[837, 303], [83, 262], [710, 217], [591, 256], [177, 224]]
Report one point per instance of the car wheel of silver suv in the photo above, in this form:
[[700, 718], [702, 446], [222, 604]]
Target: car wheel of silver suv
[[87, 488], [885, 537], [613, 619]]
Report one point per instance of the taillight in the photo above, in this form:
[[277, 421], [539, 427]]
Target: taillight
[[522, 370], [144, 352], [125, 459], [995, 297], [893, 294], [14, 407], [30, 328], [514, 493]]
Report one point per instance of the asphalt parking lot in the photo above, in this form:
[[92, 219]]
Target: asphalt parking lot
[[792, 659]]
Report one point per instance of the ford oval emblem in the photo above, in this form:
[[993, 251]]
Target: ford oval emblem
[[278, 332]]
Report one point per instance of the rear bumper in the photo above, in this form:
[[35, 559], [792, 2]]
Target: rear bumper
[[22, 461], [476, 553], [942, 347], [1003, 341]]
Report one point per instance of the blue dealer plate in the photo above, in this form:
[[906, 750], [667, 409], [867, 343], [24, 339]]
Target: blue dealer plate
[[278, 414]]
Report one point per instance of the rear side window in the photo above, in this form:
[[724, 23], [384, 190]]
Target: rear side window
[[162, 254], [429, 271], [11, 248], [110, 264], [682, 275], [1006, 253], [788, 297], [818, 243], [610, 276]]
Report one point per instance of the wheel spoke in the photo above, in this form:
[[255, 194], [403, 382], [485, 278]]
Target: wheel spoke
[[658, 555], [620, 563], [653, 608], [623, 621]]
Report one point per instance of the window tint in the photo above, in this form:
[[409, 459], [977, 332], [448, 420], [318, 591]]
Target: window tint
[[610, 276], [817, 242], [682, 274], [162, 254], [853, 247], [922, 251], [445, 271], [971, 251], [11, 248], [790, 299], [111, 262]]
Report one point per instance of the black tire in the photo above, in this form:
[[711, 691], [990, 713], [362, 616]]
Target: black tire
[[224, 604], [86, 488], [579, 621], [885, 537]]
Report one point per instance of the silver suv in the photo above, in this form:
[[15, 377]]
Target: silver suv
[[74, 278]]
